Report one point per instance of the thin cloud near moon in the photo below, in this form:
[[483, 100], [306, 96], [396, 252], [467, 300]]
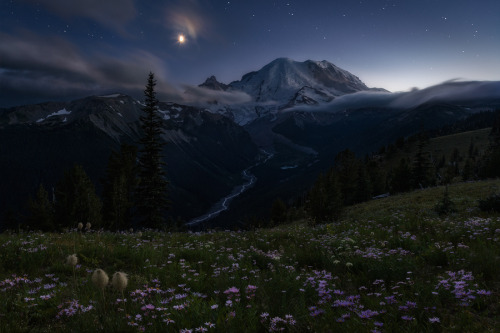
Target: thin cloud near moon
[[186, 20], [53, 66]]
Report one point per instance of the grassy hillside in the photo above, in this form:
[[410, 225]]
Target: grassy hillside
[[444, 146], [421, 203], [390, 265], [461, 141]]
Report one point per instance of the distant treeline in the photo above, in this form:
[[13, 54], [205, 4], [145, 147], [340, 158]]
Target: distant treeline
[[353, 180], [473, 122]]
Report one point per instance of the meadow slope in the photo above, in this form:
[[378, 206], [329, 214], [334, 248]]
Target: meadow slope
[[389, 265]]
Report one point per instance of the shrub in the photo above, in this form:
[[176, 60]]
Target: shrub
[[491, 203], [445, 206]]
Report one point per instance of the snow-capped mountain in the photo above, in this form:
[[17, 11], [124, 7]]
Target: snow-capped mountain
[[281, 79], [285, 83]]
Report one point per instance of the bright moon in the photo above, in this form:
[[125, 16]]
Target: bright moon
[[181, 39]]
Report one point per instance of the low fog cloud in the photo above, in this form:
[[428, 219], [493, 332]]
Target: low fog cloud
[[200, 95], [51, 67], [111, 13], [450, 91]]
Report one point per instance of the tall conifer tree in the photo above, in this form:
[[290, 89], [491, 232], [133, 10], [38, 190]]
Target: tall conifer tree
[[152, 189], [76, 199], [346, 166], [334, 197], [118, 188], [278, 211], [423, 171], [317, 200], [363, 190], [42, 211], [325, 198], [491, 163], [401, 177]]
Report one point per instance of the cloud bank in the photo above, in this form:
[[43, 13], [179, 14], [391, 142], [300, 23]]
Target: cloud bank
[[202, 96], [35, 69], [53, 68], [450, 91]]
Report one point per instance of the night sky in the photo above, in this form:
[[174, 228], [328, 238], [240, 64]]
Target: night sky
[[60, 49]]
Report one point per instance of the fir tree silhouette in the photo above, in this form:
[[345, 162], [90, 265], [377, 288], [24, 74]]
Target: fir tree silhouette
[[152, 201]]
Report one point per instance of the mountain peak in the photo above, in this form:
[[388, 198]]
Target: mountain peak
[[212, 83], [282, 60], [282, 78]]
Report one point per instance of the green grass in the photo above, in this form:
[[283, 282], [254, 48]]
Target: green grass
[[422, 202], [391, 265], [444, 145], [461, 141]]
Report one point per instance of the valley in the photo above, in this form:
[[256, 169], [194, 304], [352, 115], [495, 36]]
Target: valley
[[303, 113], [223, 204]]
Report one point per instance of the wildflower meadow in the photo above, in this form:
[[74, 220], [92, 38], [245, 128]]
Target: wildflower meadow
[[386, 266]]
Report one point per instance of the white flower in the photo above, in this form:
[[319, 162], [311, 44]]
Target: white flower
[[71, 260], [100, 278], [119, 281]]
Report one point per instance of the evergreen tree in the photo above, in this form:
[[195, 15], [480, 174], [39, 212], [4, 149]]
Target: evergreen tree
[[491, 163], [377, 176], [41, 211], [400, 142], [441, 162], [334, 197], [11, 220], [401, 178], [363, 185], [449, 173], [445, 206], [455, 160], [325, 198], [423, 171], [76, 200], [346, 166], [118, 188], [316, 199], [152, 189], [468, 171], [471, 148], [278, 212]]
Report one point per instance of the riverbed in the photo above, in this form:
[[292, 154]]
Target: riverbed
[[223, 204]]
